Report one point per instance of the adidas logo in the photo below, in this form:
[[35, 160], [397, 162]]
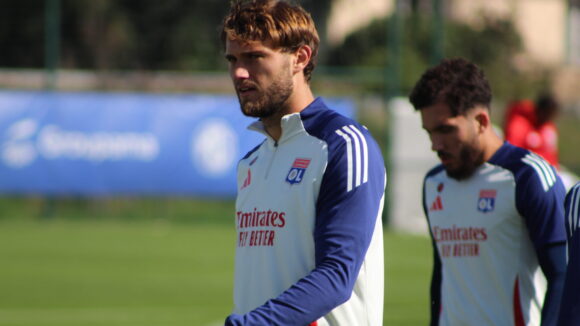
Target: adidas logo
[[248, 179], [437, 205]]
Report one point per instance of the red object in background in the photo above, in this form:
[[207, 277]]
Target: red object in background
[[522, 129]]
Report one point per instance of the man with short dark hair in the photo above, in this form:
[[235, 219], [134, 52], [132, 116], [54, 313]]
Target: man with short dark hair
[[308, 211], [495, 211]]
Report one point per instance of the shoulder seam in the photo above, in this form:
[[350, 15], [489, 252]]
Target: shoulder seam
[[252, 151], [434, 171]]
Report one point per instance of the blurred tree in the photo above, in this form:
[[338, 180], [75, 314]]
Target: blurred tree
[[319, 10], [175, 34], [493, 46], [142, 35], [94, 35], [183, 35], [22, 33], [124, 34], [116, 34]]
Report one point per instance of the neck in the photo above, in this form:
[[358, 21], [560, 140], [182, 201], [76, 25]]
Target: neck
[[298, 101], [492, 142]]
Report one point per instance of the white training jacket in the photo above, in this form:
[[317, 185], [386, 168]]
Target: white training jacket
[[308, 220]]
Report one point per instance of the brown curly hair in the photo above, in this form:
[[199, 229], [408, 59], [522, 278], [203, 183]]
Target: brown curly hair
[[282, 25], [457, 82]]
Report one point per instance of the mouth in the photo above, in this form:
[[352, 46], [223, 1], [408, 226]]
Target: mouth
[[445, 158], [244, 90]]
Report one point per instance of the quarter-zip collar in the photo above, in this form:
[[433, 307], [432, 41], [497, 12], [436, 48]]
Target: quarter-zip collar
[[291, 124]]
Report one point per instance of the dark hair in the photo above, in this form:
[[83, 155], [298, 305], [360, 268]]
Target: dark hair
[[457, 82], [546, 108], [281, 24], [546, 101]]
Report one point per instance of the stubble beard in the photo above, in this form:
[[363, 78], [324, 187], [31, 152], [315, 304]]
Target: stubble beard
[[271, 101]]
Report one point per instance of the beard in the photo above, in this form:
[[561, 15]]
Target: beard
[[270, 101], [469, 160]]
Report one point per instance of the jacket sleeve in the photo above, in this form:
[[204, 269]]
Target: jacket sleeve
[[540, 200], [347, 208], [570, 305], [540, 197], [552, 260]]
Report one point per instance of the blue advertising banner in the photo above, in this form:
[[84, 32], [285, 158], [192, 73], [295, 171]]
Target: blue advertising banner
[[67, 143]]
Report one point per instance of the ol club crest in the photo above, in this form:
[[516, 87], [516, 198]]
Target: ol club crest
[[297, 170], [486, 201]]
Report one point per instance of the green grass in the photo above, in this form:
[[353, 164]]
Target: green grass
[[109, 273], [149, 272], [568, 141], [408, 264]]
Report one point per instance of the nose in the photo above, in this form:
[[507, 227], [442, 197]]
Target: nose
[[436, 143], [239, 72]]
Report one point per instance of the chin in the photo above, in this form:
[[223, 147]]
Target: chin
[[459, 174], [257, 112]]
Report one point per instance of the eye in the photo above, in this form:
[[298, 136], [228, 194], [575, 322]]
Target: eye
[[230, 59], [255, 56], [445, 130]]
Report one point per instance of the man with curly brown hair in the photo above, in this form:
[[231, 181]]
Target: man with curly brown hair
[[495, 211]]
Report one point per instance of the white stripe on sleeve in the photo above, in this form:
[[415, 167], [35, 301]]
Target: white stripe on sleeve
[[357, 155], [545, 167], [348, 158], [543, 170], [365, 154]]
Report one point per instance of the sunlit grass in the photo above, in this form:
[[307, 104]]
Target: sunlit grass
[[127, 272]]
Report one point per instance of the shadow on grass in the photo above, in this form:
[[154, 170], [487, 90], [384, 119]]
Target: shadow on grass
[[179, 210]]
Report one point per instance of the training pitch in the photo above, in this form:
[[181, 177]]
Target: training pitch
[[110, 272]]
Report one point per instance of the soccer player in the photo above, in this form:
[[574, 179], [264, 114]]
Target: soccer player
[[495, 211], [310, 196], [570, 308]]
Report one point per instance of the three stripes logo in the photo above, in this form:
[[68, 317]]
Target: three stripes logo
[[543, 169], [248, 179], [437, 204], [357, 154]]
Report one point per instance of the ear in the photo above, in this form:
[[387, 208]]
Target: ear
[[483, 120], [302, 58]]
